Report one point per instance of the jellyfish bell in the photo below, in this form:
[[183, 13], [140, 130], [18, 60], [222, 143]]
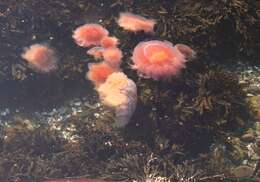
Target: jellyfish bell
[[135, 23], [96, 52], [158, 59], [107, 42], [119, 93], [186, 51], [98, 72], [89, 34], [113, 56], [40, 58]]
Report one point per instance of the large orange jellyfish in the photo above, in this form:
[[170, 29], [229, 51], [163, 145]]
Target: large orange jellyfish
[[89, 34], [98, 72], [159, 59], [135, 23], [41, 58], [119, 93]]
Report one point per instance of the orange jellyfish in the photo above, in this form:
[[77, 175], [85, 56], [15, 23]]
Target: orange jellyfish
[[98, 72], [41, 58], [96, 52], [113, 56], [107, 42], [135, 23], [89, 34], [159, 59]]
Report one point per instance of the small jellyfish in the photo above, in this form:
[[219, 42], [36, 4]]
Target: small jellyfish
[[98, 72], [96, 52], [41, 58], [89, 34], [135, 23], [107, 42], [113, 56]]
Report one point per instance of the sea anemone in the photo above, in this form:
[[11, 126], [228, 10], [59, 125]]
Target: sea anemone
[[41, 58], [89, 34], [107, 42], [159, 59], [98, 72], [120, 93], [135, 23], [113, 56]]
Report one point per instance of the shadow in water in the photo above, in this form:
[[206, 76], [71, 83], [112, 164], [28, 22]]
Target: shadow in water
[[41, 92]]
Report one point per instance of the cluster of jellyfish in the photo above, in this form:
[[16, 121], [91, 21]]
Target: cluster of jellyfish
[[154, 59]]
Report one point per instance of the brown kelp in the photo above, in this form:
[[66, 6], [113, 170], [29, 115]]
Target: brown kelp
[[196, 107]]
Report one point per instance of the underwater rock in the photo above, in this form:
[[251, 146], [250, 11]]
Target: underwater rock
[[248, 137], [243, 172], [255, 105]]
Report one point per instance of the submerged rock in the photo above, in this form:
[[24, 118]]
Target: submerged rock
[[243, 171], [255, 105]]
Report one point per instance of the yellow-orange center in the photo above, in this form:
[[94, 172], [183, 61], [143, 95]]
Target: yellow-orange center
[[158, 57]]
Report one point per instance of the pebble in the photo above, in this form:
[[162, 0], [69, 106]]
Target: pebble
[[77, 104], [255, 104], [243, 171], [96, 115], [248, 137]]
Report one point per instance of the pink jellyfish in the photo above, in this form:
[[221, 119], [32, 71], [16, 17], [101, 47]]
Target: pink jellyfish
[[159, 59], [89, 34], [135, 23], [41, 58]]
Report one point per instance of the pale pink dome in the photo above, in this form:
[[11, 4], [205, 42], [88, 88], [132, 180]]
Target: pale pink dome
[[41, 58], [135, 23], [158, 59], [119, 93], [89, 34]]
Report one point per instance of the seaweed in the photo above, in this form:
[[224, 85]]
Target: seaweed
[[193, 109], [221, 29], [34, 153]]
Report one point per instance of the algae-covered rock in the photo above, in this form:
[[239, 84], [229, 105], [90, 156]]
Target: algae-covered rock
[[255, 105], [243, 171]]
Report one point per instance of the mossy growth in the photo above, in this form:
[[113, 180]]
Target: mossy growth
[[194, 108], [221, 28], [41, 152]]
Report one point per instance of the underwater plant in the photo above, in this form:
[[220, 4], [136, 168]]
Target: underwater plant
[[188, 112], [139, 167], [228, 27]]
